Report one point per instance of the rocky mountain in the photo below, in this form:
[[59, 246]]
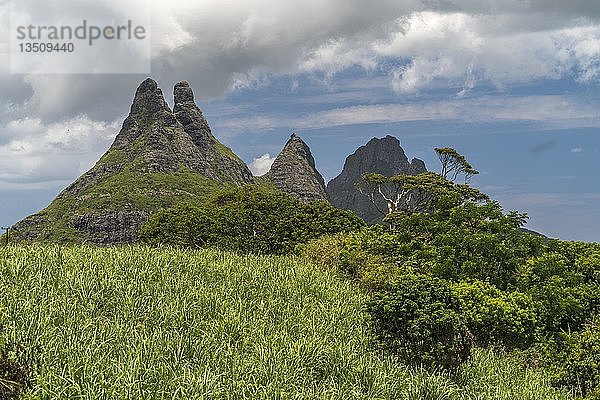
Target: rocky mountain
[[294, 172], [160, 157], [384, 156]]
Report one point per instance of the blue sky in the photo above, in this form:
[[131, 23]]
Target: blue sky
[[513, 85]]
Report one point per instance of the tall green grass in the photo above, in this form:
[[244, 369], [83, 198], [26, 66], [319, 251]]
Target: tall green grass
[[137, 323]]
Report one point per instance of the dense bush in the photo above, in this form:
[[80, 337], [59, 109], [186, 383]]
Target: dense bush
[[448, 266], [247, 219], [575, 360], [495, 317], [464, 241], [348, 254], [418, 317], [563, 292]]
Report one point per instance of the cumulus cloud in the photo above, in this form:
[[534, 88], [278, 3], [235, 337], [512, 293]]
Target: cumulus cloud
[[261, 165], [463, 49], [32, 152], [219, 46], [577, 150]]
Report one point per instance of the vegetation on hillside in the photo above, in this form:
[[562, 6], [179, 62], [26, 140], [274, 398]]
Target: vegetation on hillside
[[252, 218], [136, 322], [449, 298], [153, 192], [450, 272]]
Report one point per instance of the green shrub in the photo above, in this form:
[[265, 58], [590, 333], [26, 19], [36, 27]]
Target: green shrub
[[575, 358], [418, 317], [566, 296], [247, 219], [495, 317], [184, 225], [343, 253], [467, 241]]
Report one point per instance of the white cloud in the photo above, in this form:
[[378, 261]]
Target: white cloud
[[34, 152], [577, 150], [223, 45], [261, 165], [548, 111], [466, 49]]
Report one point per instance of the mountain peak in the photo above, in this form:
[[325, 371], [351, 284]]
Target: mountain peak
[[383, 156], [149, 99], [159, 158], [183, 93], [148, 85], [296, 146], [220, 160], [295, 173], [190, 116], [417, 166]]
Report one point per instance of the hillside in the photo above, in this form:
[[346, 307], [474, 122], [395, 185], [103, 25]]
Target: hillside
[[159, 158], [133, 322]]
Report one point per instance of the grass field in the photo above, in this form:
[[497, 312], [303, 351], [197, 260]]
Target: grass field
[[137, 323]]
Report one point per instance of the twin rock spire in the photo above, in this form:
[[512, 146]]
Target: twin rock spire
[[166, 141]]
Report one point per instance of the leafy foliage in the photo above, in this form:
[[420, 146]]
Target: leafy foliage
[[454, 163], [425, 192], [574, 360], [451, 264], [497, 318], [248, 219], [507, 288], [418, 317]]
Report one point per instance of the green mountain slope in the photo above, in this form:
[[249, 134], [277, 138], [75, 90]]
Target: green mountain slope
[[159, 158]]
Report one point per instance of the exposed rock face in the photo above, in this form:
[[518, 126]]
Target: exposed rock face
[[219, 161], [110, 227], [383, 156], [417, 166], [158, 158], [294, 172]]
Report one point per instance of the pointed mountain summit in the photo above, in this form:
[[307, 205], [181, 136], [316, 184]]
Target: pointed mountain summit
[[383, 156], [294, 172], [219, 161], [159, 158]]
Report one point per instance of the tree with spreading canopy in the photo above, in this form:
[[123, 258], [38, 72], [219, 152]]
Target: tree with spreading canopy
[[454, 164], [422, 193]]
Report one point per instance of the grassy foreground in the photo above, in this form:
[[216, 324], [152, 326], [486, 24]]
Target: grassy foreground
[[138, 323]]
